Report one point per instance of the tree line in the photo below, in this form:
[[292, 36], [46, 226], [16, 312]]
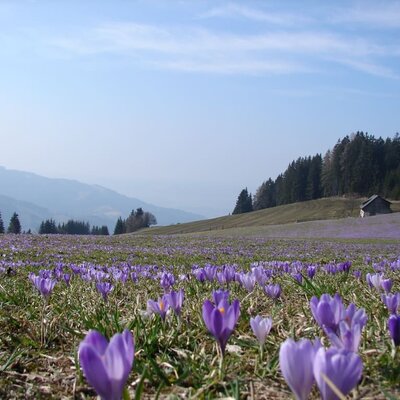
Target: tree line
[[71, 227], [359, 164], [136, 220]]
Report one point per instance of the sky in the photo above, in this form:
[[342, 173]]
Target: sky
[[184, 103]]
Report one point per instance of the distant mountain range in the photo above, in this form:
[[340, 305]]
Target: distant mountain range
[[36, 198]]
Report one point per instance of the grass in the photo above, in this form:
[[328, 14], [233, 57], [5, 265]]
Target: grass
[[178, 359], [321, 209]]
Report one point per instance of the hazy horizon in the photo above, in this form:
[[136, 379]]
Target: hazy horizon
[[183, 104]]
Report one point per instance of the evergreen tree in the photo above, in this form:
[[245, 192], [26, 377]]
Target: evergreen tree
[[244, 203], [48, 227], [265, 196], [104, 230], [15, 225], [1, 224], [119, 227]]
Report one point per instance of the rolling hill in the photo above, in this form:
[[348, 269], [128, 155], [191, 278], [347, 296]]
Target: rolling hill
[[313, 210]]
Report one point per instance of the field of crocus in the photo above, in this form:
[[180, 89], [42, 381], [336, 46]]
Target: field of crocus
[[198, 317]]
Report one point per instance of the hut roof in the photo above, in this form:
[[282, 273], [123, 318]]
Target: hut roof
[[371, 199]]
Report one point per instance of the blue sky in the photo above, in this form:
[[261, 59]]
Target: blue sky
[[184, 103]]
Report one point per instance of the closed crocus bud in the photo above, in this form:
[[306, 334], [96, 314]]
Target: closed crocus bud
[[391, 301], [387, 285], [394, 328], [341, 367], [261, 327], [296, 362], [106, 366]]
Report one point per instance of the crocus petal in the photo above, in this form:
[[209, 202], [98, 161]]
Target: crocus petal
[[95, 371], [97, 340]]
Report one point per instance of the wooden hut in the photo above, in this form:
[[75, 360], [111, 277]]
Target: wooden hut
[[375, 205]]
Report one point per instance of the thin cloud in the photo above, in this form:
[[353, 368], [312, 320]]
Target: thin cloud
[[204, 50], [384, 15], [240, 11]]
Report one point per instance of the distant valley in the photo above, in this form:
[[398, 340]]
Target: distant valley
[[36, 198]]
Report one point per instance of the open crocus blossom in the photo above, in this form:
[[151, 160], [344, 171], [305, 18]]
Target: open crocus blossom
[[296, 361], [328, 311], [341, 368], [107, 365], [221, 319], [261, 327], [158, 307]]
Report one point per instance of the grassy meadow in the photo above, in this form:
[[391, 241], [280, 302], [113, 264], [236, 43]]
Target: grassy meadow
[[178, 358]]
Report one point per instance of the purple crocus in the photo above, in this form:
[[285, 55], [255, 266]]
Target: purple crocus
[[107, 365], [342, 368], [175, 300], [248, 281], [44, 285], [374, 280], [311, 270], [221, 319], [394, 328], [328, 311], [386, 285], [355, 316], [167, 280], [104, 288], [220, 295], [296, 362], [273, 291], [261, 328], [391, 301], [347, 337], [160, 306]]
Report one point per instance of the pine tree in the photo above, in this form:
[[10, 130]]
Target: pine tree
[[119, 227], [1, 224], [244, 203], [15, 225]]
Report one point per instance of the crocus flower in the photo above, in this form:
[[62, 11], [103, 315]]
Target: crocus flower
[[107, 365], [354, 315], [374, 280], [273, 291], [175, 300], [347, 338], [220, 295], [158, 307], [296, 362], [261, 327], [311, 270], [391, 301], [357, 274], [104, 288], [386, 285], [328, 311], [298, 277], [167, 280], [221, 319], [343, 368], [44, 285], [394, 328], [248, 281]]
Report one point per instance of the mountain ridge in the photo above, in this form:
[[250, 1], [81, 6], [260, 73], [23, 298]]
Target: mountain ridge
[[62, 199]]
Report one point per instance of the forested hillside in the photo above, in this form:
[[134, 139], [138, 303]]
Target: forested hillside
[[358, 164]]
